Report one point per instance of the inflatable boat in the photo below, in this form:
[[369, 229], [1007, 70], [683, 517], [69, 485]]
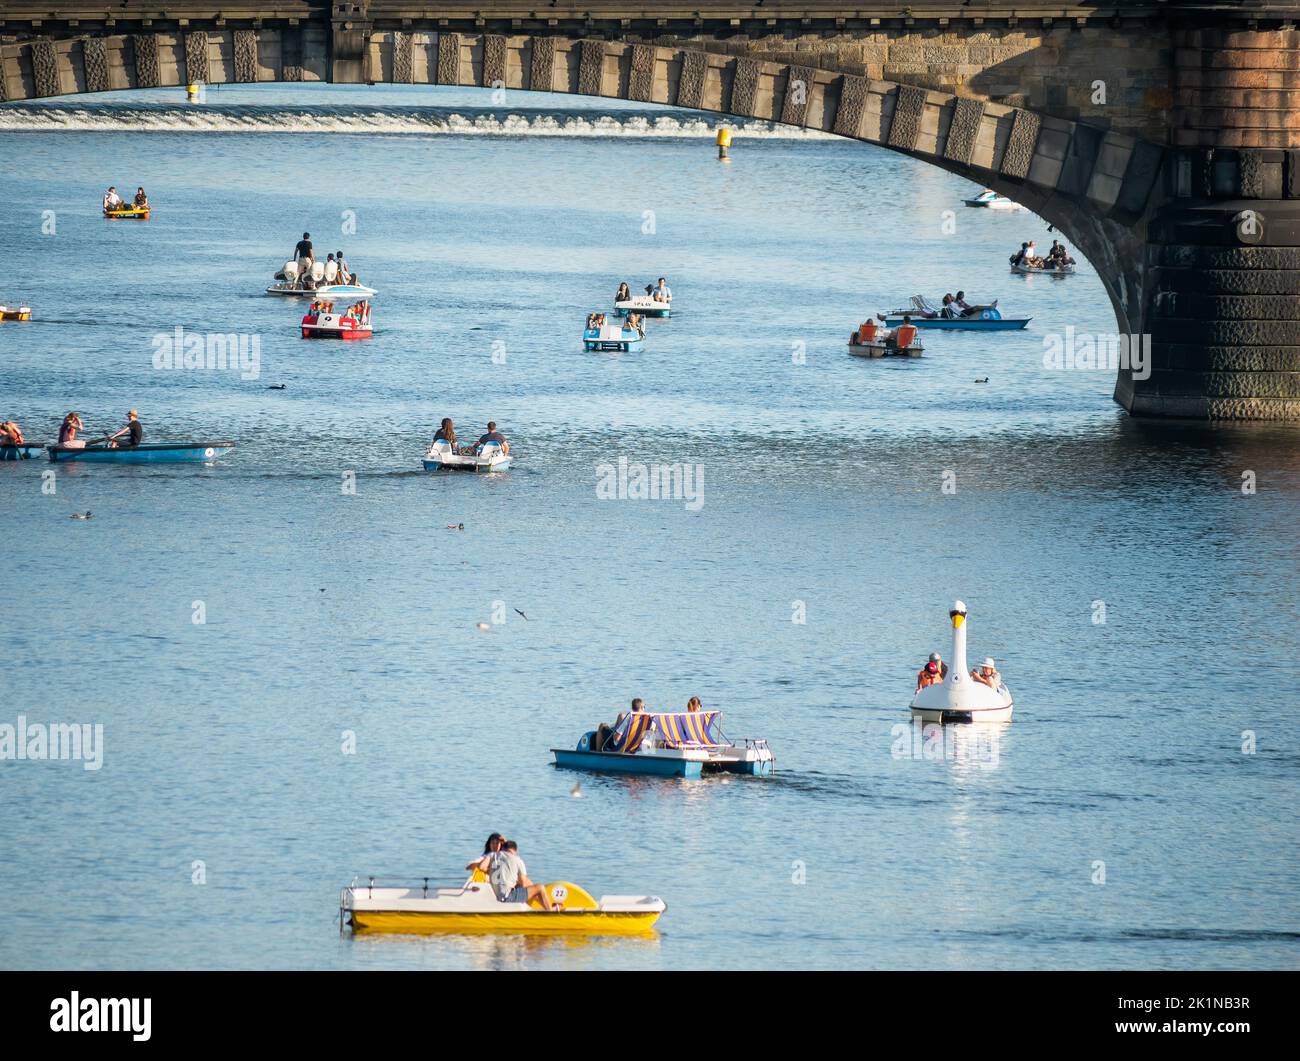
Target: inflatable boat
[[442, 457], [675, 744], [959, 697], [422, 907]]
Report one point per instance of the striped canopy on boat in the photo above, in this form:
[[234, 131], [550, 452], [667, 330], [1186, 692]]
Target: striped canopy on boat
[[688, 728]]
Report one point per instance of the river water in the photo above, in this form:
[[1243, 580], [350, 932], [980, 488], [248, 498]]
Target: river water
[[339, 711]]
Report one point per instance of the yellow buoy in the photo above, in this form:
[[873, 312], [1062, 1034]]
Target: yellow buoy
[[724, 143], [192, 92]]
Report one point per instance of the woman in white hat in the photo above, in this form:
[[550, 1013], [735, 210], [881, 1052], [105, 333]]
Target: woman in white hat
[[987, 673]]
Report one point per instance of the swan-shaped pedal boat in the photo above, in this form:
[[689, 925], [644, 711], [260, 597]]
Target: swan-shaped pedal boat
[[645, 305], [959, 697], [442, 456], [473, 908]]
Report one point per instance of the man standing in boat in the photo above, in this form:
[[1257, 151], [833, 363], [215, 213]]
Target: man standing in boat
[[134, 431], [304, 255]]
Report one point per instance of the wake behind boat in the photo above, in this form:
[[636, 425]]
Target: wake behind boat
[[144, 453]]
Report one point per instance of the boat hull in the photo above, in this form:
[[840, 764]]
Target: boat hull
[[26, 451], [1029, 270], [126, 215], [465, 464], [962, 324], [620, 763], [659, 310], [145, 453], [336, 292], [881, 350], [533, 923], [957, 716], [23, 314]]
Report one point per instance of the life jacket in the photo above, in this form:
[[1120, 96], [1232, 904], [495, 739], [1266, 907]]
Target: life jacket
[[904, 335]]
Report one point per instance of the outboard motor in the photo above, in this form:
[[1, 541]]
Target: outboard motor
[[331, 271], [290, 271], [318, 271]]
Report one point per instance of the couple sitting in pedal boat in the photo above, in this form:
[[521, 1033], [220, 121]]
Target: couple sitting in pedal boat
[[936, 670], [506, 873], [113, 201], [604, 729], [867, 332], [660, 293], [955, 307], [447, 433]]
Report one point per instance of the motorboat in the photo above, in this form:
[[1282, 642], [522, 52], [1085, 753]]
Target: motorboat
[[925, 315], [144, 453], [15, 313], [959, 697], [645, 305], [667, 744], [424, 907], [870, 340], [21, 451], [611, 335], [321, 322], [991, 200], [127, 212], [322, 281], [442, 456]]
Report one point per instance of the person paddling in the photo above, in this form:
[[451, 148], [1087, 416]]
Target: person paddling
[[134, 431]]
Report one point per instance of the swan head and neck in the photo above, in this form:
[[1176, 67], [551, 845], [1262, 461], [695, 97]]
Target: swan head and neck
[[957, 669]]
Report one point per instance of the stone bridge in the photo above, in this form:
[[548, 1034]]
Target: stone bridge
[[1161, 138]]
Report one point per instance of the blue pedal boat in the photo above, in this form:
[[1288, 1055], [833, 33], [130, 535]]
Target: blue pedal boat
[[24, 451], [145, 453], [612, 336], [987, 320], [674, 744]]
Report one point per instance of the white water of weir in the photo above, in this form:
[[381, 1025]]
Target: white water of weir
[[460, 121]]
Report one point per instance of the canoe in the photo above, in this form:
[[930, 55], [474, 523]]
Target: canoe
[[26, 451], [129, 214], [145, 453]]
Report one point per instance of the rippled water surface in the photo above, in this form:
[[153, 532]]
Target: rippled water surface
[[1117, 822]]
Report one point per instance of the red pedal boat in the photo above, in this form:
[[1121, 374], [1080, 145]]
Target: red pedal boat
[[321, 322]]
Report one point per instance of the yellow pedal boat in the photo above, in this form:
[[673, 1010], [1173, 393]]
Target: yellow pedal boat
[[423, 908], [15, 313], [130, 213]]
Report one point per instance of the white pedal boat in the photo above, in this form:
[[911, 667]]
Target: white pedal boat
[[373, 905], [612, 335], [330, 325], [959, 697], [645, 305], [441, 457], [320, 282]]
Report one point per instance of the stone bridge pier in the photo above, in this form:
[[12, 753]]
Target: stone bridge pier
[[1179, 181]]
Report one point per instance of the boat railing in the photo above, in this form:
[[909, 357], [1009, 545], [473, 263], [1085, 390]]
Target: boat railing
[[368, 884]]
